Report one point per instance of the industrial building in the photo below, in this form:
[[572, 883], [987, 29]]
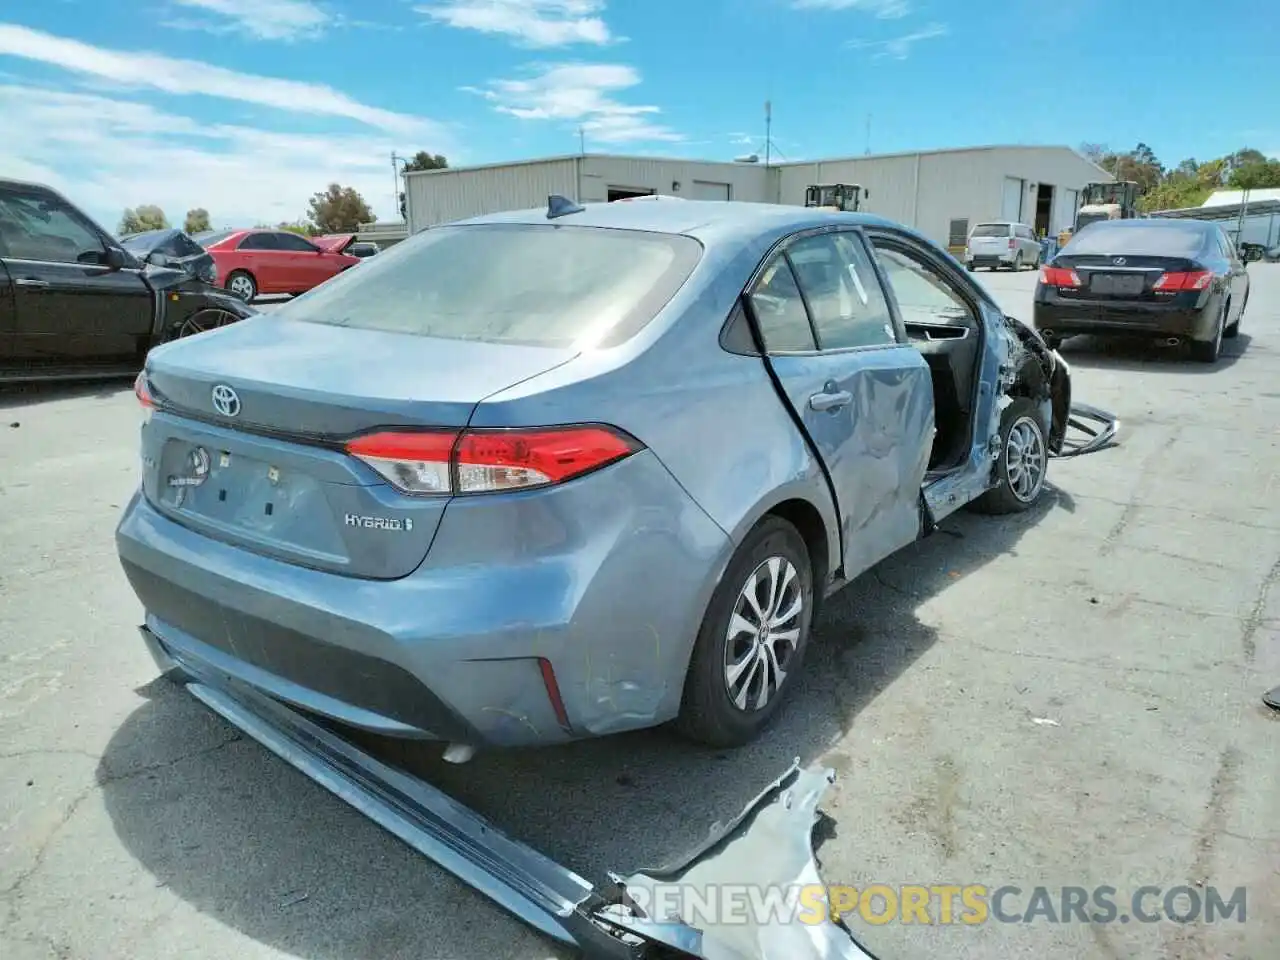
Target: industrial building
[[942, 193], [1248, 216]]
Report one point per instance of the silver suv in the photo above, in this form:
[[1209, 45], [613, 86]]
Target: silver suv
[[1002, 244]]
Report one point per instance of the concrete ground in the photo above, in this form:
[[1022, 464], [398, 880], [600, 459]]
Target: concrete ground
[[1070, 697]]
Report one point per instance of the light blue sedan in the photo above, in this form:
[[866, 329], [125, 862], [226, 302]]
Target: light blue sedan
[[565, 472]]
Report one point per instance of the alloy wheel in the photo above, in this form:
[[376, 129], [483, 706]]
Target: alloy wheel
[[763, 634], [1025, 459], [204, 320], [241, 286]]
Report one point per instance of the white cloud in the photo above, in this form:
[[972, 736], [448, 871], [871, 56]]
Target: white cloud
[[107, 154], [899, 48], [581, 94], [192, 77], [532, 23], [883, 9], [263, 19]]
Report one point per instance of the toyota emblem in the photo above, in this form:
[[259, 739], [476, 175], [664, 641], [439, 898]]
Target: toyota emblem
[[1119, 261], [226, 401]]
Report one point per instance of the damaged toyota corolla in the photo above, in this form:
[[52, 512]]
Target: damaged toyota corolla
[[562, 473]]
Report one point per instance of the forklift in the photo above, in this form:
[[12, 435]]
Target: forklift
[[841, 197], [1116, 200]]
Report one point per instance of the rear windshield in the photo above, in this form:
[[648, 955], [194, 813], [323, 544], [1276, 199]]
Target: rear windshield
[[991, 230], [1119, 237], [550, 285]]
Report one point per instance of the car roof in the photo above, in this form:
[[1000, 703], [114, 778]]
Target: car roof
[[702, 219], [1186, 223]]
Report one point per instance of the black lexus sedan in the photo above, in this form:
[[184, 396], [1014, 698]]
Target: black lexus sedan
[[1178, 280]]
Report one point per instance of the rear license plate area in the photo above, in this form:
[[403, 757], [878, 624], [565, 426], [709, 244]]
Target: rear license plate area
[[229, 487], [1117, 284]]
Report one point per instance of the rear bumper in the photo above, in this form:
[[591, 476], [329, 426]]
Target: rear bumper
[[990, 259], [1067, 317], [609, 596]]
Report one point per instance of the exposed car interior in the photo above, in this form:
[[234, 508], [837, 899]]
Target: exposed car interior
[[943, 328]]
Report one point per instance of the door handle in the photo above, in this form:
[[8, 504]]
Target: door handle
[[30, 282], [830, 400]]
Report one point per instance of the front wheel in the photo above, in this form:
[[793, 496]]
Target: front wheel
[[1234, 329], [1023, 462], [752, 641], [210, 318]]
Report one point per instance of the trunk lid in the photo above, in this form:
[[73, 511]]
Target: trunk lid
[[273, 478], [334, 243], [1121, 277]]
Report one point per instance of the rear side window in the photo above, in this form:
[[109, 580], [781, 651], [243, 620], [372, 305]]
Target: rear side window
[[780, 311], [290, 241], [844, 296], [991, 230], [551, 285], [1114, 238], [259, 241]]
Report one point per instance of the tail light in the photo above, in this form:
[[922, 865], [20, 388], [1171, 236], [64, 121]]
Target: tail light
[[1059, 277], [1012, 243], [489, 461], [142, 390], [1177, 282]]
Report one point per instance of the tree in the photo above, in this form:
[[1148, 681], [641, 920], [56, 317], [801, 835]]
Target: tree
[[1094, 151], [425, 161], [300, 227], [339, 210], [421, 161], [197, 220], [1255, 175], [143, 218]]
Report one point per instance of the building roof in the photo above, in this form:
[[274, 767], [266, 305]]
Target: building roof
[[1105, 175], [1228, 211], [1227, 198], [703, 219]]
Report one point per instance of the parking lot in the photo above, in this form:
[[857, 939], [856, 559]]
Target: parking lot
[[1064, 698]]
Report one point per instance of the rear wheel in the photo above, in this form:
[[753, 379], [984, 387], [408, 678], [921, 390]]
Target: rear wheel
[[1017, 262], [242, 284], [752, 641], [1234, 329], [1023, 463], [1207, 351]]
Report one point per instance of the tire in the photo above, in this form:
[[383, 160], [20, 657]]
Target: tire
[[1207, 351], [1234, 329], [1021, 419], [243, 285], [709, 714], [1016, 266]]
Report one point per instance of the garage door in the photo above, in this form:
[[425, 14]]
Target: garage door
[[710, 190], [1011, 208]]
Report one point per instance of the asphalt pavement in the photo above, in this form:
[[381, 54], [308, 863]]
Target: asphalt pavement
[[1065, 698]]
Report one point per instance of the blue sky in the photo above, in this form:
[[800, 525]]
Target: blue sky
[[246, 107]]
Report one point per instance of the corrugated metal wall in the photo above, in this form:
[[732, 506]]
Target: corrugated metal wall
[[926, 191], [599, 174], [447, 195], [929, 190]]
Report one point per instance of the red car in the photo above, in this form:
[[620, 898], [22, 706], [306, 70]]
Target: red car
[[250, 262]]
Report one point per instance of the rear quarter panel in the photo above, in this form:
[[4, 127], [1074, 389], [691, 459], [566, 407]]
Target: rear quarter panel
[[713, 418]]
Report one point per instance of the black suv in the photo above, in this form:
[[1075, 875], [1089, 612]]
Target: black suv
[[75, 303]]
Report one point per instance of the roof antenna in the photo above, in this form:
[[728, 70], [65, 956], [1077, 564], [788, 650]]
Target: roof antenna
[[558, 206]]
